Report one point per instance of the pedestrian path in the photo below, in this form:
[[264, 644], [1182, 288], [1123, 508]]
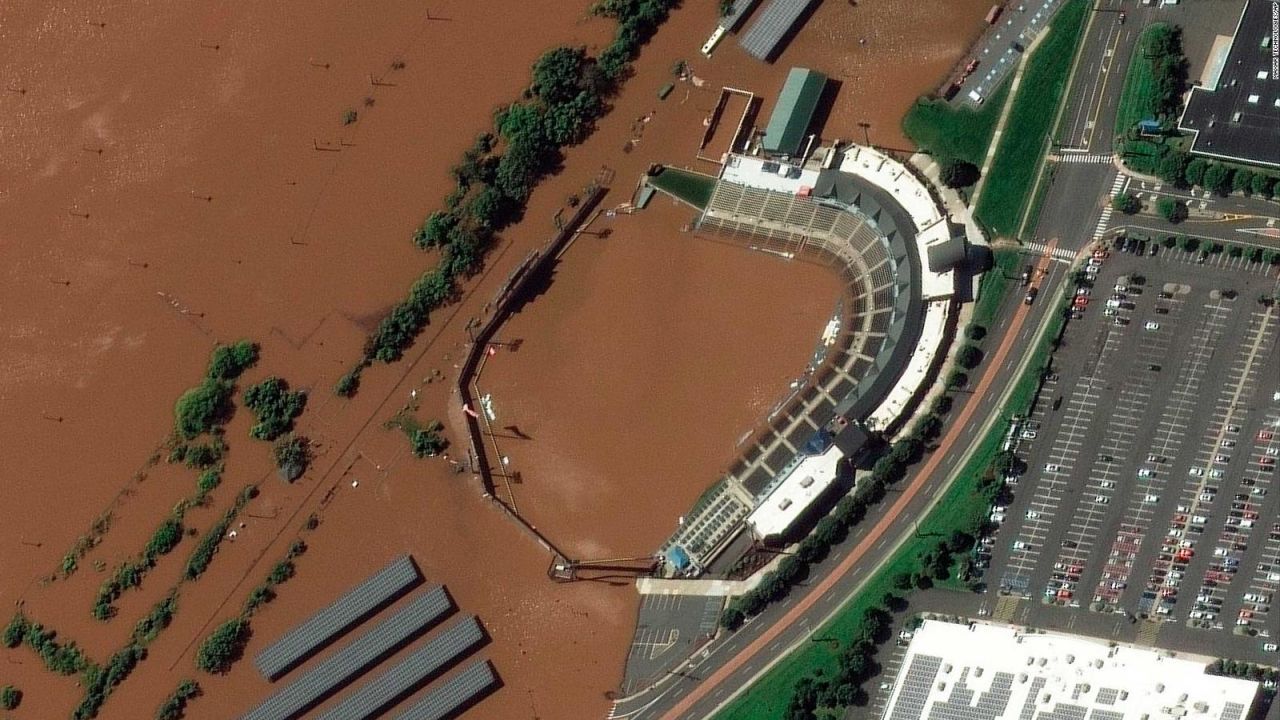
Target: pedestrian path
[[1116, 185], [1082, 158], [1040, 248]]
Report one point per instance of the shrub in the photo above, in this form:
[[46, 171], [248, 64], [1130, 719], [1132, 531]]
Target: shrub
[[223, 647], [349, 117], [202, 407], [292, 454], [10, 697], [732, 617], [15, 631], [176, 704], [969, 356], [427, 441], [229, 361], [209, 480], [1127, 203], [1217, 179], [282, 571], [975, 332], [275, 407], [1171, 209], [349, 383], [164, 539]]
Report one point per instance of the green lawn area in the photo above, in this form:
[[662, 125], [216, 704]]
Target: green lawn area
[[954, 132], [1139, 101], [1031, 118], [994, 285], [691, 187], [959, 509]]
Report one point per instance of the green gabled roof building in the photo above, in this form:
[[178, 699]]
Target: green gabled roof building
[[793, 111]]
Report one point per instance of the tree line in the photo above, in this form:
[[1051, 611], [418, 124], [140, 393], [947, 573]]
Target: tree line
[[567, 94]]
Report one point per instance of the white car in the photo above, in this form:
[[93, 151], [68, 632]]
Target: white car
[[1101, 499], [1032, 515], [1270, 647], [1152, 325], [1052, 467], [1215, 473], [1020, 545], [1029, 434], [1144, 472], [1196, 472]]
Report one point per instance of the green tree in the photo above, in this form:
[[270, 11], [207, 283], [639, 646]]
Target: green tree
[[436, 228], [1195, 172], [1172, 168], [1126, 203], [223, 647], [292, 454], [958, 173], [10, 697], [228, 361], [969, 356], [560, 74], [1263, 185], [202, 407], [275, 407], [1171, 209], [1217, 179], [732, 617], [1242, 181]]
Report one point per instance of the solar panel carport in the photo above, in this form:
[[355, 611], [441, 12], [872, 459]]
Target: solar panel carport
[[463, 688], [407, 675], [338, 669], [326, 625]]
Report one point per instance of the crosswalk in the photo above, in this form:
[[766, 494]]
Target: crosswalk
[[1148, 632], [1082, 158], [1006, 606], [1040, 248], [1101, 227]]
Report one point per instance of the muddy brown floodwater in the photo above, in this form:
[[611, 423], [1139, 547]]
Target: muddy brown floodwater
[[174, 175], [651, 354]]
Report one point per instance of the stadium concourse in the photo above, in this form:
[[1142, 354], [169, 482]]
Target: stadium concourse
[[980, 671], [878, 224]]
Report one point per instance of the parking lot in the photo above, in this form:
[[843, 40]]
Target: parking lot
[[1151, 450]]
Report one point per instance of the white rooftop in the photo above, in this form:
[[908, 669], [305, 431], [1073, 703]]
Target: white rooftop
[[989, 672], [806, 482], [750, 171]]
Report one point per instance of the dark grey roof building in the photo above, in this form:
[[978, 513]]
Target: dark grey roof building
[[408, 674], [326, 625], [1238, 119], [762, 39], [337, 670]]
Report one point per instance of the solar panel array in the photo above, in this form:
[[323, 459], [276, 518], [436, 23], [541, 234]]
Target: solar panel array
[[916, 683], [1107, 696], [960, 705], [406, 675], [775, 22], [459, 690], [338, 669], [327, 624]]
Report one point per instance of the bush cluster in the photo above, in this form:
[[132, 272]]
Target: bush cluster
[[292, 454], [565, 98], [129, 574], [275, 406], [225, 644], [1180, 169], [207, 405], [208, 545], [62, 659], [176, 704], [10, 697]]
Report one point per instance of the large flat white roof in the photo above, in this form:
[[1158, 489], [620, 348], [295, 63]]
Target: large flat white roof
[[990, 672], [750, 171], [806, 482]]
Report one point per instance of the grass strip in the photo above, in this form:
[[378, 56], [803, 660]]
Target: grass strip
[[1023, 143]]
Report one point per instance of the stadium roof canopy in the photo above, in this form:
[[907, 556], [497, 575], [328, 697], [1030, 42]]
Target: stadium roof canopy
[[776, 20], [988, 672], [793, 111], [1238, 118]]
